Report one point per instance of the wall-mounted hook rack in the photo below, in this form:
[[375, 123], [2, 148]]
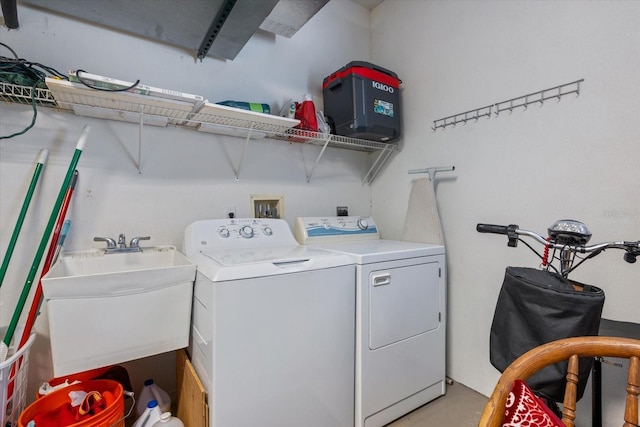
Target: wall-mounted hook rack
[[431, 172], [462, 117], [524, 101], [556, 92]]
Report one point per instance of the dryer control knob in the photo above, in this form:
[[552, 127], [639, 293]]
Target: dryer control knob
[[246, 232], [363, 224], [267, 231], [224, 233]]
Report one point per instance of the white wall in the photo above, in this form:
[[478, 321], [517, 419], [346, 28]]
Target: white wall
[[577, 158], [185, 175]]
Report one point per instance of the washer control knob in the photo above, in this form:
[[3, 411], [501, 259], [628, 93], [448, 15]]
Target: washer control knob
[[224, 233], [246, 232], [363, 224], [267, 231]]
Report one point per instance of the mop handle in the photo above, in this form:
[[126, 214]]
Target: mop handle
[[58, 237], [4, 347], [48, 261], [42, 159]]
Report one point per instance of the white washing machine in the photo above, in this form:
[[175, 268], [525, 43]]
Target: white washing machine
[[273, 326], [400, 315]]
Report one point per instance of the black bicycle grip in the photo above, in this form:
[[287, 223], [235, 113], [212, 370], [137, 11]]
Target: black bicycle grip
[[492, 228]]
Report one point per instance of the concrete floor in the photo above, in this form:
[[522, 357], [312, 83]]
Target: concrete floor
[[460, 407]]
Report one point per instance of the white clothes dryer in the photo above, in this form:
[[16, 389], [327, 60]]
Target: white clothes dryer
[[400, 315], [273, 326]]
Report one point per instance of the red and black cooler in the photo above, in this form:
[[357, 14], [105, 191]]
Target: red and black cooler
[[362, 100]]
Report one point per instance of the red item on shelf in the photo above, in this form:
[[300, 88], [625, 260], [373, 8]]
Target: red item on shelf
[[306, 113]]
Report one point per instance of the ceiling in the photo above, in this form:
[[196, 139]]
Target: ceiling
[[218, 28], [369, 4]]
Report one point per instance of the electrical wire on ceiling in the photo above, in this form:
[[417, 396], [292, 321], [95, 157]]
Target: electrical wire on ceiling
[[18, 71]]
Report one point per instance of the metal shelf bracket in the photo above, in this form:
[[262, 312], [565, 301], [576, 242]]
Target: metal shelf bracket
[[237, 169], [324, 147], [377, 164], [140, 139]]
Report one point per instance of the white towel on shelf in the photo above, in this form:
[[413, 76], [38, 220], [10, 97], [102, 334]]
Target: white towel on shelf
[[422, 222]]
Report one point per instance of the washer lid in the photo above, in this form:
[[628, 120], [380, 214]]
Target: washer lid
[[220, 265], [273, 254]]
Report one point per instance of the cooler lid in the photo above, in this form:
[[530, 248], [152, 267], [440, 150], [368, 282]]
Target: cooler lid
[[366, 70], [364, 64]]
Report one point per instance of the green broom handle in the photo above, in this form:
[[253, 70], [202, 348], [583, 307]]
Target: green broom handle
[[43, 243], [23, 212]]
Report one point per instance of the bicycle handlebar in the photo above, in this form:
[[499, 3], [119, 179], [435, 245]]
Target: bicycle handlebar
[[632, 248], [493, 228]]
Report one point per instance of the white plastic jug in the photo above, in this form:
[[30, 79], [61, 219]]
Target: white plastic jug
[[166, 420], [149, 416], [150, 391]]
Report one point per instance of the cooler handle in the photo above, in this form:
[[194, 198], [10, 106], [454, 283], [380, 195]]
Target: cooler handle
[[334, 83], [385, 71]]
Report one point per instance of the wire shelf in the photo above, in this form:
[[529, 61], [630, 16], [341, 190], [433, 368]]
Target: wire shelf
[[203, 116], [25, 95], [315, 138], [269, 128]]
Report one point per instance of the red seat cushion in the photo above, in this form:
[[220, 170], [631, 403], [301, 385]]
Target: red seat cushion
[[524, 408]]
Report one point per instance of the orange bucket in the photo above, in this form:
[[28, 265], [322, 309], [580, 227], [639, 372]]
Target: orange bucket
[[111, 416], [78, 376]]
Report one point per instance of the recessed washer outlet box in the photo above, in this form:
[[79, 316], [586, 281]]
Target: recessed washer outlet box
[[267, 206]]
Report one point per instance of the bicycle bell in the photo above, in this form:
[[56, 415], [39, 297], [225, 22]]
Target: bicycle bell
[[569, 232]]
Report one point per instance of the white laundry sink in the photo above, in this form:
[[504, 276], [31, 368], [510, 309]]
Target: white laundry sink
[[106, 309], [93, 272]]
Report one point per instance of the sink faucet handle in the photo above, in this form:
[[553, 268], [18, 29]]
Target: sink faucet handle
[[135, 242], [122, 241], [110, 242]]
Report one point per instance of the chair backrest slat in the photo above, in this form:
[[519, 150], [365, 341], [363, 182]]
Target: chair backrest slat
[[568, 349], [570, 392], [633, 389]]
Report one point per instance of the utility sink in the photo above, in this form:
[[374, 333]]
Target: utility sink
[[106, 309], [94, 273]]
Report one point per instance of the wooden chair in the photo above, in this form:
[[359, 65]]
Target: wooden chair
[[568, 349]]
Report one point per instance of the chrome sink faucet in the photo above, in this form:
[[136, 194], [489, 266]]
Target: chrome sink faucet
[[121, 246]]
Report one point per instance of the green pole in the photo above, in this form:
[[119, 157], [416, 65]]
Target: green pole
[[4, 346], [23, 212]]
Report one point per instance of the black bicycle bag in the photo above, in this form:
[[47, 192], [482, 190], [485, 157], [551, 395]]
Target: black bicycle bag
[[535, 307]]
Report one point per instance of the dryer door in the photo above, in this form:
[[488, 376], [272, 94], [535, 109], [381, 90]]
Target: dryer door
[[404, 302]]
